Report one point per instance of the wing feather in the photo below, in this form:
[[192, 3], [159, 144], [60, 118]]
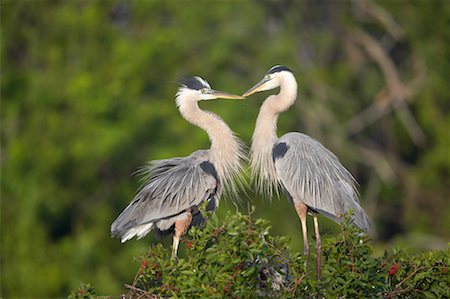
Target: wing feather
[[170, 187], [313, 174]]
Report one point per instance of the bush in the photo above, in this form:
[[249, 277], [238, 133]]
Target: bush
[[237, 258], [85, 291]]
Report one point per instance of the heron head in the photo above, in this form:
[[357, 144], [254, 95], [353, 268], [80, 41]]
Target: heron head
[[202, 90], [270, 81]]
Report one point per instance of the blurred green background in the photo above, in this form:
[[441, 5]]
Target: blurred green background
[[87, 96]]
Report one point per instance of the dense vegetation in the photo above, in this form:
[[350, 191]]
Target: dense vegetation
[[87, 96], [238, 258]]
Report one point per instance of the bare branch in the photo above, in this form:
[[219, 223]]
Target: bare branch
[[376, 160], [382, 16], [410, 123], [395, 95], [396, 88]]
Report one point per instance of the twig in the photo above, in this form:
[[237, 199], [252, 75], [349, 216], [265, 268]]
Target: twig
[[397, 290], [366, 117], [377, 160], [143, 293], [135, 288], [408, 277], [297, 283], [410, 123]]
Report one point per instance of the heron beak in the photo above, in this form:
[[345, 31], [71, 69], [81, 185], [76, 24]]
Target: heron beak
[[260, 86], [225, 95]]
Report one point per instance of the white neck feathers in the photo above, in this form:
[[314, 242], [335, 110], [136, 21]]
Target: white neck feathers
[[265, 135], [226, 152]]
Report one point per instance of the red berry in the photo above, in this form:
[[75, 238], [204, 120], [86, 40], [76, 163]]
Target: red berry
[[189, 245], [144, 264], [394, 269]]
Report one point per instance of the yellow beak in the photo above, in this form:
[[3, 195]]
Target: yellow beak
[[225, 95], [260, 86]]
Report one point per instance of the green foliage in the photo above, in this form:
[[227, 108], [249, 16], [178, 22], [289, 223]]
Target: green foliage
[[87, 96], [85, 291], [238, 258], [349, 269]]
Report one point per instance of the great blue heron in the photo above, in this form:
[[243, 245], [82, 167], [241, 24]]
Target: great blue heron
[[311, 176], [174, 189]]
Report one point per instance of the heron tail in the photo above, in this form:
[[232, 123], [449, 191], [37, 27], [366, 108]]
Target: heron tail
[[126, 227]]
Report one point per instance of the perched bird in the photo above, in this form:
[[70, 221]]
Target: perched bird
[[310, 175], [174, 188]]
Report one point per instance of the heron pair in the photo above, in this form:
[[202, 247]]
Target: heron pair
[[310, 175]]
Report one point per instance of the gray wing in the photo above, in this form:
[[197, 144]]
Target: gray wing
[[311, 173], [172, 186]]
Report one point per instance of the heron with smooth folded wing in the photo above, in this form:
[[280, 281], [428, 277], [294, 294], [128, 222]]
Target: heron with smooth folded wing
[[310, 175]]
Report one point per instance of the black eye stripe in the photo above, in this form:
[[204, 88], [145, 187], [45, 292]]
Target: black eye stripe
[[278, 68]]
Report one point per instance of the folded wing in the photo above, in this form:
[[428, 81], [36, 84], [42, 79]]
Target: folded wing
[[171, 187], [311, 173]]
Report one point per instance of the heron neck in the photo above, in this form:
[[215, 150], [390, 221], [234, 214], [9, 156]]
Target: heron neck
[[266, 122], [263, 140], [218, 132], [226, 151], [265, 134]]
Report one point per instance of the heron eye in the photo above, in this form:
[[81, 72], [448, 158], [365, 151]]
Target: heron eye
[[203, 90]]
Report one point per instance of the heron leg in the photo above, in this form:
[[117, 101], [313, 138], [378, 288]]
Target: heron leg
[[301, 209], [318, 245], [176, 241], [181, 227]]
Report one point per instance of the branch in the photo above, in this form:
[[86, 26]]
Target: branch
[[396, 89], [395, 95], [144, 293], [408, 277], [378, 161], [410, 123], [366, 117], [382, 16], [396, 290]]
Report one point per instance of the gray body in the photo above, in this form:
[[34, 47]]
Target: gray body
[[172, 188], [310, 173], [311, 176]]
